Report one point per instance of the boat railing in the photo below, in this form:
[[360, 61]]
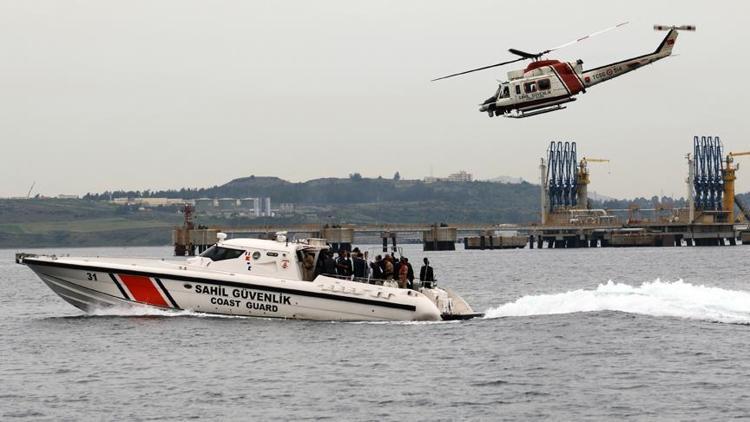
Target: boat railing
[[364, 280], [416, 284]]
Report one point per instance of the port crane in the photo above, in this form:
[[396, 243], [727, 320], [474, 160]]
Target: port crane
[[583, 167], [546, 84], [28, 194], [583, 178], [729, 177], [585, 160], [737, 154]]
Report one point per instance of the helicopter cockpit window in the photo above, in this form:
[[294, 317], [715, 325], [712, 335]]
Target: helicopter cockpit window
[[544, 84], [502, 91], [529, 87]]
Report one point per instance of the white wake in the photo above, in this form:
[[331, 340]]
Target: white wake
[[149, 311], [657, 298]]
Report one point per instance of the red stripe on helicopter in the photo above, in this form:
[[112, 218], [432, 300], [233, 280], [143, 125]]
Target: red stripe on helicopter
[[552, 68], [143, 290], [569, 78]]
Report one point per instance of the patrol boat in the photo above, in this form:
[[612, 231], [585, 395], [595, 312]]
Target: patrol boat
[[246, 277]]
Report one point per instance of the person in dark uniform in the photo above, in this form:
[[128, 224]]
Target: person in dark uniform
[[344, 264], [409, 273], [377, 268], [320, 263], [329, 265], [359, 264], [426, 273]]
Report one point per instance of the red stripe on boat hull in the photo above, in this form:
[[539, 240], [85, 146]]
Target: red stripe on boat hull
[[143, 290]]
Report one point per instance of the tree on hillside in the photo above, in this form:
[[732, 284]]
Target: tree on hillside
[[397, 176]]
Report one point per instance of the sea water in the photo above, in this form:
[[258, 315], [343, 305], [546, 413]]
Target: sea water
[[582, 334]]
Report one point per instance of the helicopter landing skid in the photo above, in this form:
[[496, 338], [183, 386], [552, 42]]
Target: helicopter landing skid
[[539, 109], [521, 114]]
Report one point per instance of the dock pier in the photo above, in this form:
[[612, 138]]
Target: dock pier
[[490, 236]]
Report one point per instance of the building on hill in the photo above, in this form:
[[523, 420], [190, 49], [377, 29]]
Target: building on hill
[[461, 176], [507, 180], [151, 202], [249, 207], [205, 204], [227, 204], [286, 208], [269, 210]]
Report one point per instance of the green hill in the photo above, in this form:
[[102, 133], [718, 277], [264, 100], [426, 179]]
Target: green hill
[[94, 221]]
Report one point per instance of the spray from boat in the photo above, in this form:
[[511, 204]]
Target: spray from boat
[[656, 298]]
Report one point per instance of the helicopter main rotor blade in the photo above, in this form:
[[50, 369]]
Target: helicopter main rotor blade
[[585, 37], [523, 53], [478, 69]]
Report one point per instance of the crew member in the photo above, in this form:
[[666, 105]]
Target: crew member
[[388, 268], [409, 273], [359, 264], [426, 273], [377, 268], [344, 264], [403, 274], [329, 265], [308, 267]]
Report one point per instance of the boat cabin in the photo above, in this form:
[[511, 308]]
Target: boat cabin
[[271, 258]]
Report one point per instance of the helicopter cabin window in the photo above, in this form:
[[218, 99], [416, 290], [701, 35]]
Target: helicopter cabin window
[[544, 84], [529, 87]]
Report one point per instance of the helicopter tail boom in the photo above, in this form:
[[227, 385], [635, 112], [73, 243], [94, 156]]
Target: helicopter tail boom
[[604, 73]]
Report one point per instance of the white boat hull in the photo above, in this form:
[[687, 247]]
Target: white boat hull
[[92, 284]]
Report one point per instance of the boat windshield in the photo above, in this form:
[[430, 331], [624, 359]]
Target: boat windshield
[[219, 253]]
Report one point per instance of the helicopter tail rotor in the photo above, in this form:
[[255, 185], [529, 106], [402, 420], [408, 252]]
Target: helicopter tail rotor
[[671, 27]]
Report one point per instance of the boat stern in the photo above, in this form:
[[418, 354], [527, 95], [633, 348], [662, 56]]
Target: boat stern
[[450, 305]]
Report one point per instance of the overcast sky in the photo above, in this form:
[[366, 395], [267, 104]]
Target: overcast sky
[[147, 94]]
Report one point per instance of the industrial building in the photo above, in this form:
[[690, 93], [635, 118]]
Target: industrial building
[[250, 207], [568, 220], [461, 176]]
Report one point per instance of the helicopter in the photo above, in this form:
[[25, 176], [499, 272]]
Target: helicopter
[[545, 85]]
